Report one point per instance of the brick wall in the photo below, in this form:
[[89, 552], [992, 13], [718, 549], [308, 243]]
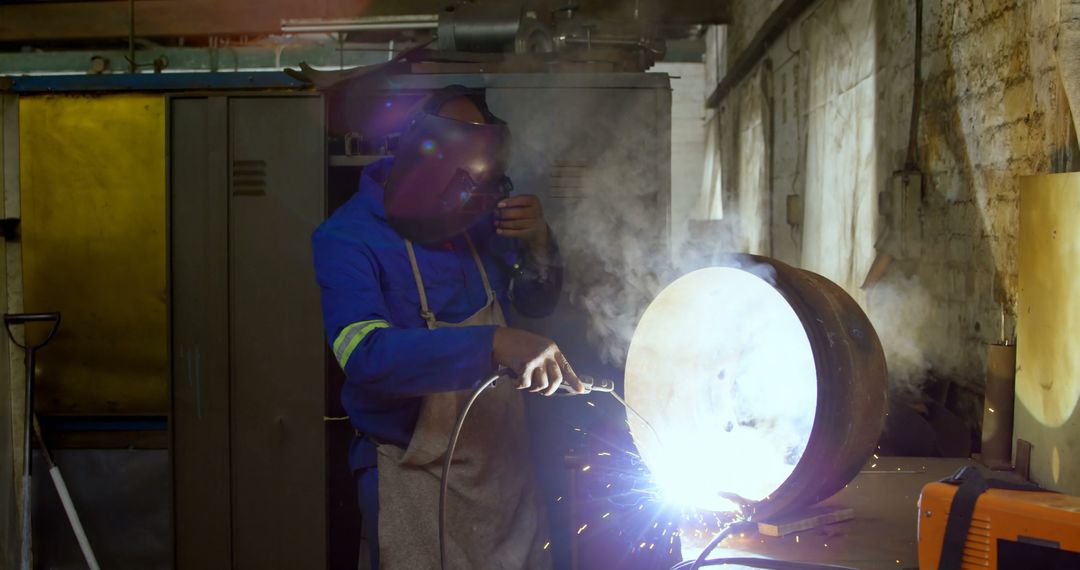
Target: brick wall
[[993, 110]]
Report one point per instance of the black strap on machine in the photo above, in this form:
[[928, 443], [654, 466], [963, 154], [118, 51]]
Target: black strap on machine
[[972, 485]]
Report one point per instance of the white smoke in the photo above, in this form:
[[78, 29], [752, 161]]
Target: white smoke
[[906, 320]]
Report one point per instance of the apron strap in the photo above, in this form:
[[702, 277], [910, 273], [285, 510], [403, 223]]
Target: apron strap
[[425, 311], [480, 266]]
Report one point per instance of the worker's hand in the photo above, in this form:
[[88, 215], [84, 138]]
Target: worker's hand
[[522, 217], [537, 361]]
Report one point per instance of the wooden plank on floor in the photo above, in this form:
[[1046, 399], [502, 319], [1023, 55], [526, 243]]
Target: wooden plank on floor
[[806, 519]]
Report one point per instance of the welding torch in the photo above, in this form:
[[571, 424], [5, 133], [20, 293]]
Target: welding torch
[[588, 382], [591, 385]]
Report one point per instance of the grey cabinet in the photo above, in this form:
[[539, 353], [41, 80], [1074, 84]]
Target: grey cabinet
[[246, 189]]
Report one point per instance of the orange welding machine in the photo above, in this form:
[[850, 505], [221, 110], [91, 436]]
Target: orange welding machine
[[968, 522]]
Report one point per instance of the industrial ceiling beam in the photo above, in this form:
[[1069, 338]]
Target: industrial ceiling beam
[[776, 24], [153, 18], [108, 19], [44, 21]]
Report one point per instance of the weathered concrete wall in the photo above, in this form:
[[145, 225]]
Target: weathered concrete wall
[[687, 142], [993, 110]]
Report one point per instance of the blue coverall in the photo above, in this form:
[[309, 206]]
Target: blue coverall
[[371, 312]]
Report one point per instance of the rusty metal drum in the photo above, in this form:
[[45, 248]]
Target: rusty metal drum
[[761, 387]]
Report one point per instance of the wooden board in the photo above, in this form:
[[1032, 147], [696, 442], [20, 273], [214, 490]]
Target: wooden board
[[1048, 348], [806, 519]]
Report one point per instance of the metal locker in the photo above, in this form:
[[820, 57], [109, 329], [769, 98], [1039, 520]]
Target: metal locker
[[246, 191]]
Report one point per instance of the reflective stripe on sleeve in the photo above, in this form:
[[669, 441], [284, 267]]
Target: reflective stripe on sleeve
[[350, 338]]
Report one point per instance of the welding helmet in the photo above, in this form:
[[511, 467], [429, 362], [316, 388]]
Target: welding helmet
[[447, 174]]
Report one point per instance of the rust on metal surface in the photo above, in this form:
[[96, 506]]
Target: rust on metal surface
[[852, 389]]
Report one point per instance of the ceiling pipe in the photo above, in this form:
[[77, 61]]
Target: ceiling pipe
[[366, 24]]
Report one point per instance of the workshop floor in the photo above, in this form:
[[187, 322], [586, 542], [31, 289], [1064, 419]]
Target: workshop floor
[[883, 533]]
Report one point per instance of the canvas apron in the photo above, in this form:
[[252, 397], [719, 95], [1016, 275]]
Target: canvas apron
[[493, 514]]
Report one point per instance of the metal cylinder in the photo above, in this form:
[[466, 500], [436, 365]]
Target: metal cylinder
[[758, 384], [997, 425], [487, 28], [852, 389]]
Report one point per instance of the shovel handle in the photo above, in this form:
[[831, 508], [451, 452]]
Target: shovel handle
[[24, 318]]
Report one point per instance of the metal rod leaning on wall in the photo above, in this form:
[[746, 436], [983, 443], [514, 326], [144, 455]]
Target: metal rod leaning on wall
[[65, 500], [997, 428]]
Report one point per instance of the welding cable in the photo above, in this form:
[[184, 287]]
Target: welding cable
[[449, 456], [753, 562], [744, 526], [738, 526]]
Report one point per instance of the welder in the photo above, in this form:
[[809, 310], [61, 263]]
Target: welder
[[417, 271]]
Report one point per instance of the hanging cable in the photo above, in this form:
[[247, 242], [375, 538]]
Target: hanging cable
[[744, 526], [740, 526], [912, 161], [448, 457], [752, 562], [589, 383]]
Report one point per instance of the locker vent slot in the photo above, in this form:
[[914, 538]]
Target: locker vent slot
[[567, 178], [249, 178]]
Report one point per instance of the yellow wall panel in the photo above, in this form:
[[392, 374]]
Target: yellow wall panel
[[1048, 329], [93, 229]]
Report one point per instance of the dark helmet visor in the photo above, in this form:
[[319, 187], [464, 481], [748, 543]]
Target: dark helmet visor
[[447, 175]]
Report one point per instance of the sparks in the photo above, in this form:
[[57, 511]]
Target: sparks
[[796, 539], [606, 515], [547, 545], [991, 410], [604, 454], [583, 527], [586, 468], [557, 499], [591, 404]]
